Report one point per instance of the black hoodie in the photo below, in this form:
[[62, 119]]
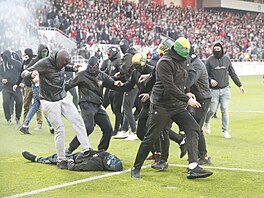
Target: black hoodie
[[9, 69], [171, 77], [25, 63], [219, 69], [51, 78]]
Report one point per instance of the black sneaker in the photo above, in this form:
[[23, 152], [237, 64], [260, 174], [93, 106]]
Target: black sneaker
[[204, 160], [62, 164], [160, 166], [27, 155], [198, 172], [135, 173], [51, 130], [24, 130], [17, 121]]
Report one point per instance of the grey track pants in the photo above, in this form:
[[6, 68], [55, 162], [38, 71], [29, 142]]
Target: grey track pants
[[54, 112]]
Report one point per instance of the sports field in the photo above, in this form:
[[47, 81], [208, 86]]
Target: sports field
[[238, 163]]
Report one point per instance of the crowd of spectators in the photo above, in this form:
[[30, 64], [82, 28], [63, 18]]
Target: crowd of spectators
[[91, 22]]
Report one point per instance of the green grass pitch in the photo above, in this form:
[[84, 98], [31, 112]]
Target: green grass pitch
[[243, 154]]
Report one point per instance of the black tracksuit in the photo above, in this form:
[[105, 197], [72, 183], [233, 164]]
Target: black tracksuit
[[90, 101], [168, 102], [115, 97], [10, 70]]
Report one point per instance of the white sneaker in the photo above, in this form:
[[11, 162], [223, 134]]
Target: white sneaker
[[226, 135], [132, 136], [38, 127], [121, 135], [207, 128]]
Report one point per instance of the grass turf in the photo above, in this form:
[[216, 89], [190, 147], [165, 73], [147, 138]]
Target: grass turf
[[244, 150]]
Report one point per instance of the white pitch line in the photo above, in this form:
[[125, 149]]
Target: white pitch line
[[238, 111], [223, 168], [117, 173]]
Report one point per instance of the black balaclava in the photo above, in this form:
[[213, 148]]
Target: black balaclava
[[93, 66], [112, 52], [218, 50], [124, 45]]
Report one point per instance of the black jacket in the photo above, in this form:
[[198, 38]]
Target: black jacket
[[113, 66], [126, 64], [31, 61], [219, 69], [197, 81], [9, 69], [89, 87], [171, 77], [133, 80], [51, 79]]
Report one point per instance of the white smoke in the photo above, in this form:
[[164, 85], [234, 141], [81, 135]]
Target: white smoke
[[18, 24]]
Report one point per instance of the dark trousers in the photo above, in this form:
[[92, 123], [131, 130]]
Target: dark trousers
[[128, 104], [75, 99], [138, 106], [106, 100], [94, 114], [116, 99], [18, 98], [200, 115], [142, 127], [158, 119]]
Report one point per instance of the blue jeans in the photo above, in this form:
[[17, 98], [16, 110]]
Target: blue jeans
[[220, 97], [34, 107]]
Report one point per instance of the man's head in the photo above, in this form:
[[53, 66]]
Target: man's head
[[124, 45], [139, 61], [44, 53], [62, 58], [93, 66], [218, 50], [192, 53], [165, 44], [113, 163], [28, 54], [112, 52], [182, 47], [155, 54]]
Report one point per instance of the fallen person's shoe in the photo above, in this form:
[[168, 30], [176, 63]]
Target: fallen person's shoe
[[27, 155]]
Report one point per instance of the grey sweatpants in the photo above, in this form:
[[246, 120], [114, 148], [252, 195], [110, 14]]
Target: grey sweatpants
[[54, 112]]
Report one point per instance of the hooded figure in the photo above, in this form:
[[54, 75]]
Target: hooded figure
[[124, 45], [219, 68], [218, 51], [9, 71]]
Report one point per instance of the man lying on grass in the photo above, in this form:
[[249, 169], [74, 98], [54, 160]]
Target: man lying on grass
[[101, 161]]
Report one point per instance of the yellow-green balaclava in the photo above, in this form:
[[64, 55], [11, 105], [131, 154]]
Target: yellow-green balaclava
[[182, 47]]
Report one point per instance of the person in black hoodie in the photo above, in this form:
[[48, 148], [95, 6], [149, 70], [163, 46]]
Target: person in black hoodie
[[90, 84], [55, 103], [126, 69], [112, 66], [28, 94], [9, 72], [219, 68], [43, 52], [168, 102]]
